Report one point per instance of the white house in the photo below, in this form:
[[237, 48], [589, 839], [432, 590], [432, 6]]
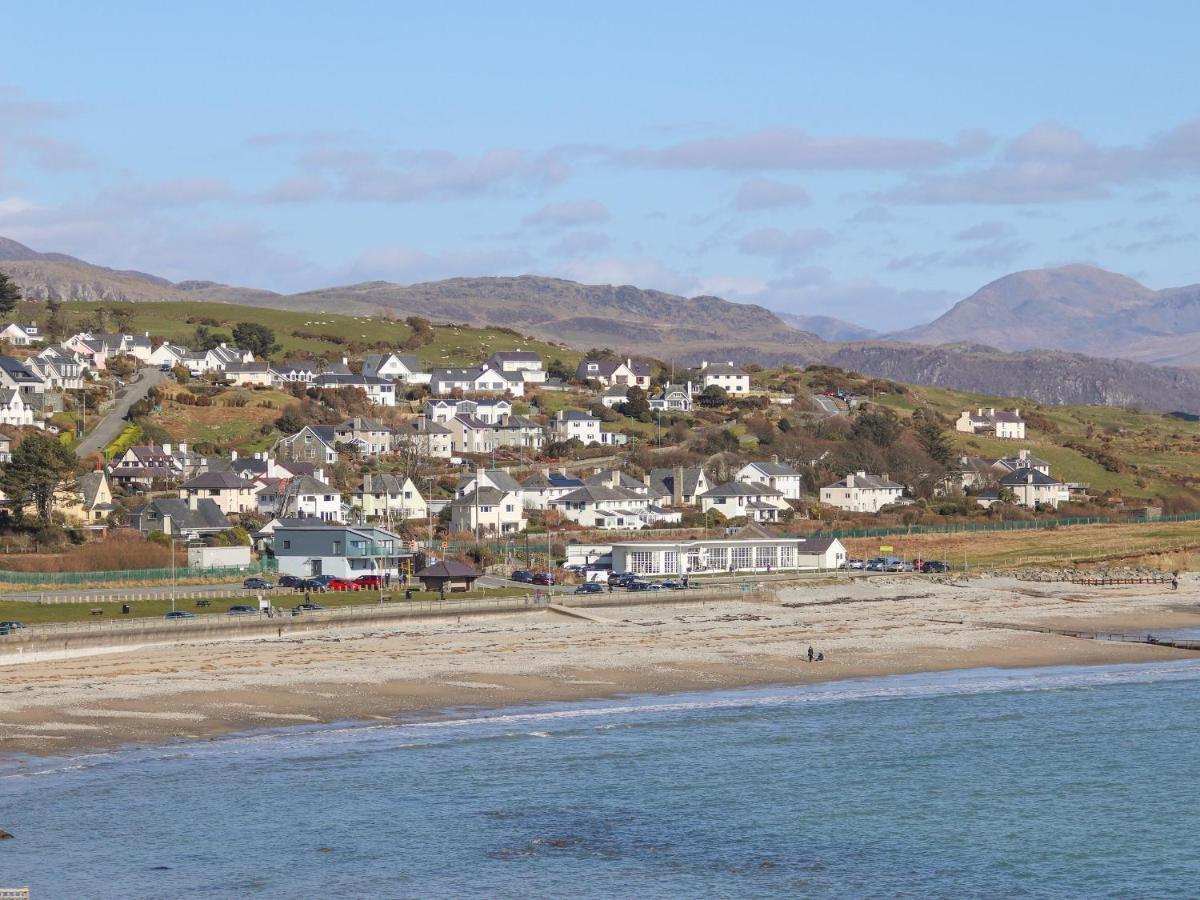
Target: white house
[[680, 486], [1033, 488], [491, 509], [20, 335], [477, 380], [609, 372], [672, 398], [167, 354], [600, 506], [575, 425], [615, 396], [773, 474], [402, 367], [540, 488], [860, 492], [388, 497], [757, 502], [526, 362], [432, 439], [306, 497], [14, 410], [255, 374], [1002, 424], [725, 375], [380, 391], [493, 411], [232, 494], [750, 549]]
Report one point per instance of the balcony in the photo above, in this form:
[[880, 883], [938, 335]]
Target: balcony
[[360, 550]]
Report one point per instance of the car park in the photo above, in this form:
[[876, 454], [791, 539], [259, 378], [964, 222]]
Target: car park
[[179, 614], [241, 611], [258, 584], [592, 587]]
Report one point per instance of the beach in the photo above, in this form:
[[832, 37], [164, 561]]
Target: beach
[[428, 667]]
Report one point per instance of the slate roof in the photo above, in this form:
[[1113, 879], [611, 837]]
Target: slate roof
[[869, 482], [604, 479], [724, 368], [741, 489], [1026, 476], [598, 493], [449, 568], [663, 480], [219, 480], [542, 480], [487, 496], [776, 469], [89, 486], [383, 483], [207, 516]]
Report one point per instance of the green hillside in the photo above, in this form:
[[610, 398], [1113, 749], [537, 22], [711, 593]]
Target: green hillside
[[316, 333]]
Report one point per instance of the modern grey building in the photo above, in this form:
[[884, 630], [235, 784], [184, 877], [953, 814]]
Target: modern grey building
[[341, 551]]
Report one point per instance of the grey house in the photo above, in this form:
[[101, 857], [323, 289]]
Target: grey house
[[341, 551]]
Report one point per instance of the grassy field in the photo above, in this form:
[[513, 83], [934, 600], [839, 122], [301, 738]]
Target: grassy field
[[451, 346], [48, 613], [1169, 545]]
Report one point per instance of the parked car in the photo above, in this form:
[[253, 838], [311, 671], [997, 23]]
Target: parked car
[[241, 610], [643, 586], [875, 565], [6, 627], [543, 578], [179, 614], [340, 584], [310, 607], [290, 581], [615, 579], [312, 584], [933, 566], [522, 575], [592, 587], [165, 367], [371, 582], [258, 584], [854, 564]]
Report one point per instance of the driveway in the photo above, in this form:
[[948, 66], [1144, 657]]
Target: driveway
[[110, 426], [828, 405]]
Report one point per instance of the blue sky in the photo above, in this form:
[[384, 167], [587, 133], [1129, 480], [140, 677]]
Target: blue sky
[[874, 161]]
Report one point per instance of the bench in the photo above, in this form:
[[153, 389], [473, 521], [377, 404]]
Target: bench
[[97, 611]]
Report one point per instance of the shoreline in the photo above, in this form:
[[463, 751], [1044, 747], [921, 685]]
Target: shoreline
[[430, 669]]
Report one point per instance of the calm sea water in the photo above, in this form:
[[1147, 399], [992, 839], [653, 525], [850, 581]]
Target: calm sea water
[[1034, 783]]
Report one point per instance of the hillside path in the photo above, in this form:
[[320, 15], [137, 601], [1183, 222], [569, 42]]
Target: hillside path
[[110, 426]]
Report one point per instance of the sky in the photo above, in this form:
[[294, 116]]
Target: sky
[[874, 162]]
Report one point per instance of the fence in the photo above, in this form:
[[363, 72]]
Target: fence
[[179, 573]]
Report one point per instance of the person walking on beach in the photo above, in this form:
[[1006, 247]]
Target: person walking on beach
[[810, 653]]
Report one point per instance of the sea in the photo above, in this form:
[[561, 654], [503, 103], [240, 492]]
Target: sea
[[1050, 782]]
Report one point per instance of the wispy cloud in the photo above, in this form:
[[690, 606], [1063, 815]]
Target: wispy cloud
[[567, 215], [767, 193]]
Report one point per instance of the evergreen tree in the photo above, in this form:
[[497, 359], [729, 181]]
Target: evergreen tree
[[10, 294], [38, 466]]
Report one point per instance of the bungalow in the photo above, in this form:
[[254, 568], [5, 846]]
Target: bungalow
[[168, 354], [672, 398], [757, 502], [615, 396], [477, 380], [403, 367], [233, 495], [217, 359], [749, 549], [773, 474], [302, 371], [343, 551], [860, 492], [1004, 425], [254, 374], [307, 497], [598, 506], [19, 335], [526, 362], [388, 497], [379, 391], [609, 372], [575, 425], [182, 519], [434, 440], [731, 378], [312, 443]]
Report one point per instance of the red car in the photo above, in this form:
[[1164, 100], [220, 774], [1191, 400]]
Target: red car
[[341, 584], [371, 582], [543, 578]]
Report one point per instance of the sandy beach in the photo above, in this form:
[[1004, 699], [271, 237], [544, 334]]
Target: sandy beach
[[425, 667]]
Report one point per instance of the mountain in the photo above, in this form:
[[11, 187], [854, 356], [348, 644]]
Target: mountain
[[828, 328], [1074, 308], [1051, 377]]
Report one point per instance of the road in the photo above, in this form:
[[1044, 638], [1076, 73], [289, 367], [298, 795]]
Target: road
[[110, 426], [146, 592], [828, 405]]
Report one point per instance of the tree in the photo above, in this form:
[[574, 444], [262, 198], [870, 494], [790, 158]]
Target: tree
[[10, 294], [122, 318], [877, 425], [636, 406], [56, 320], [931, 436], [713, 397], [558, 369], [255, 337], [205, 339], [38, 466]]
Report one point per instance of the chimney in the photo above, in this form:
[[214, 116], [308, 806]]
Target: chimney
[[885, 477], [677, 487], [849, 481], [345, 361], [233, 456], [1023, 454], [979, 412], [183, 449], [775, 458], [992, 411], [167, 449], [614, 478], [562, 470], [1029, 478], [646, 479]]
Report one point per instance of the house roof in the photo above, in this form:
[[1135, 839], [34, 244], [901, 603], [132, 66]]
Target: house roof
[[1026, 476], [598, 493], [604, 479], [219, 480], [871, 482], [542, 480], [89, 486], [18, 371], [306, 484], [381, 483], [663, 480], [1029, 461], [741, 489], [604, 368], [775, 469], [517, 356], [575, 415], [487, 496], [725, 368], [206, 516], [362, 423], [449, 568], [421, 426]]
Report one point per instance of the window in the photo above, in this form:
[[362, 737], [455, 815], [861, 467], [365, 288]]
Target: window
[[641, 562], [742, 557], [671, 562], [337, 548], [765, 557], [287, 545], [787, 557]]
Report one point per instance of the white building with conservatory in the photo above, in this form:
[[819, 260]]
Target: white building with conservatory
[[750, 549]]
